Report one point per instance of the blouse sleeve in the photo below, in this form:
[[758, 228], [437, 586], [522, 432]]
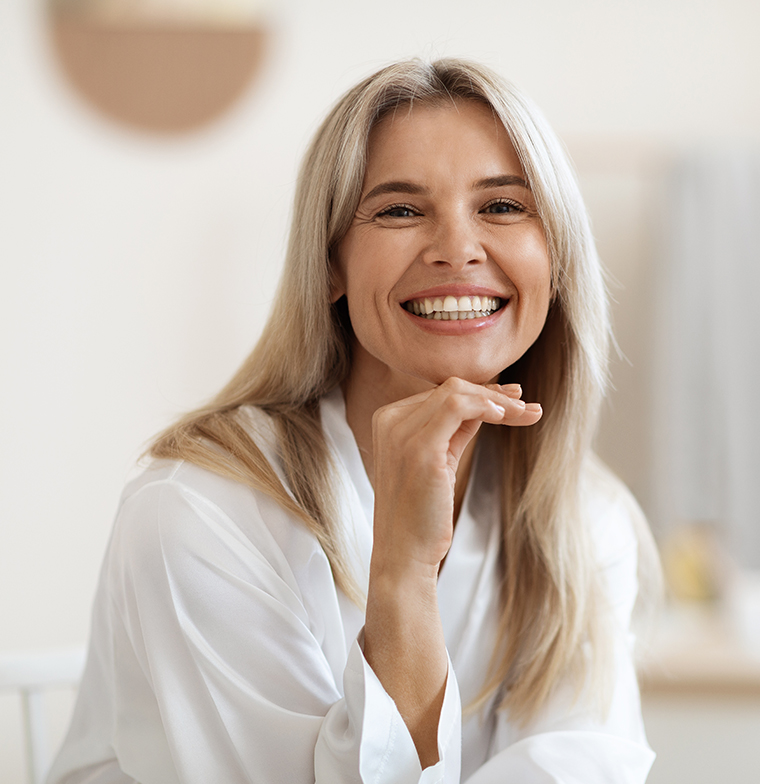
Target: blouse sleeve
[[569, 743], [225, 670]]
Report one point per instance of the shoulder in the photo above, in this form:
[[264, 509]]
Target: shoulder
[[182, 522], [169, 495], [207, 480]]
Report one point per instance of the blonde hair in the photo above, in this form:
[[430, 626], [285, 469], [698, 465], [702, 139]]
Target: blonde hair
[[550, 599]]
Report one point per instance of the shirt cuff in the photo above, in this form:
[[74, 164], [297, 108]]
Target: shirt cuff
[[365, 731]]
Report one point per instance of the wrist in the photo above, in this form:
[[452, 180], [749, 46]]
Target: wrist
[[393, 573], [402, 602]]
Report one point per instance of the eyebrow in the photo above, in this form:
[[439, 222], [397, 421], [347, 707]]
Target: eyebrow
[[395, 186], [402, 186], [501, 181]]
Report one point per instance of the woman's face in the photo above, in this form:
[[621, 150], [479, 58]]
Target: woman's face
[[445, 266]]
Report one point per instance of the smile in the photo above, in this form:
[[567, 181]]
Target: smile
[[452, 308]]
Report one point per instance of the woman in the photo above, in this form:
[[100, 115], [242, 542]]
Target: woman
[[369, 531]]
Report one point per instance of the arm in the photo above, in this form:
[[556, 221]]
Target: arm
[[222, 651], [418, 444]]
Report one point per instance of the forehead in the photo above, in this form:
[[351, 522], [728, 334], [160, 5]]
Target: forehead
[[459, 133]]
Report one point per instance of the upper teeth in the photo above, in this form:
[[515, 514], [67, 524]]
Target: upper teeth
[[451, 307]]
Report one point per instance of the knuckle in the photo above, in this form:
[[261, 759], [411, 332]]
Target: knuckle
[[454, 384], [455, 403]]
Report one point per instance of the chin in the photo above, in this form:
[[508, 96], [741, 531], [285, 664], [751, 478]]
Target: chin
[[475, 375]]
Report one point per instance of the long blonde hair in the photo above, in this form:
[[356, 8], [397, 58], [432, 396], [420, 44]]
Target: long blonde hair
[[550, 599]]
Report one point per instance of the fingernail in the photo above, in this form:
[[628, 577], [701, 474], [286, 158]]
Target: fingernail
[[519, 403], [511, 390], [535, 407]]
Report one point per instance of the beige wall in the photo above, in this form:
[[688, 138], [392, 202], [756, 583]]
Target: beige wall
[[137, 272]]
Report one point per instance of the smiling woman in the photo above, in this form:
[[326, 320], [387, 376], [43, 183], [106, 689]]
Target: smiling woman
[[369, 529], [447, 216]]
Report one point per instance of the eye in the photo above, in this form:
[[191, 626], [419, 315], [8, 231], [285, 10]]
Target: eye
[[398, 211], [502, 207]]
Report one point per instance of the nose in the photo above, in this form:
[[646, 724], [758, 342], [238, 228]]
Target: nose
[[454, 241]]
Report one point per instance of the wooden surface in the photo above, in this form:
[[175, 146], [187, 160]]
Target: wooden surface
[[164, 79], [696, 651]]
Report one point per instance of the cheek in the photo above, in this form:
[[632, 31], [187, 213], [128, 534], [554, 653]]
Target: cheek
[[542, 281], [531, 267], [347, 263], [367, 269], [351, 275]]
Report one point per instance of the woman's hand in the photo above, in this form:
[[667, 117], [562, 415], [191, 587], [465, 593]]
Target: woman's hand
[[418, 444], [418, 447]]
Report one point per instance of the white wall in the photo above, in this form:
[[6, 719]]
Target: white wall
[[136, 272]]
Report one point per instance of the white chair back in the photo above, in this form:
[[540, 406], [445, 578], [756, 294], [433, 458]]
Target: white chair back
[[31, 674]]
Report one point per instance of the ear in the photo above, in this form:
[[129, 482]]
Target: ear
[[337, 290], [337, 280]]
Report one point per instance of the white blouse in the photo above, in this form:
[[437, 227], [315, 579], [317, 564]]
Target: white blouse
[[222, 651]]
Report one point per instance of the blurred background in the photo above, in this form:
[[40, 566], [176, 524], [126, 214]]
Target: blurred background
[[148, 152]]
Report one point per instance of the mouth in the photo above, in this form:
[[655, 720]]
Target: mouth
[[451, 308]]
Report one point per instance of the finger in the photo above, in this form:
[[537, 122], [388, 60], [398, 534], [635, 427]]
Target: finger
[[510, 390], [443, 421], [414, 413], [462, 437], [418, 409], [528, 416], [509, 399], [449, 414], [452, 427]]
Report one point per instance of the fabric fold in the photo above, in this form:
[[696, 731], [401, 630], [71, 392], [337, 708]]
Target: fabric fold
[[222, 650]]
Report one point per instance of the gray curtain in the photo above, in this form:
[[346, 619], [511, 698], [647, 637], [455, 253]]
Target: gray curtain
[[707, 352]]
